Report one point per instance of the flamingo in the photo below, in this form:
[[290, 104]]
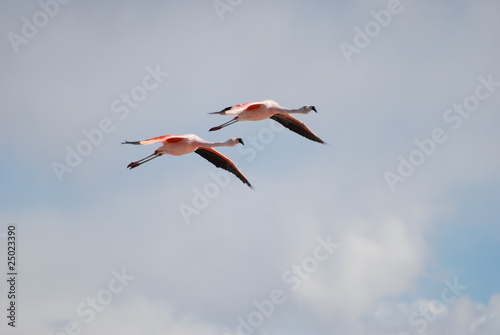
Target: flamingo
[[256, 111], [178, 145]]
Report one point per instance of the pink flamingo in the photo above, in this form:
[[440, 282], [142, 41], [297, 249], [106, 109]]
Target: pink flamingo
[[178, 145], [256, 111]]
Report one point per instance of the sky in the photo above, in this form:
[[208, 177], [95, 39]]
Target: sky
[[392, 227]]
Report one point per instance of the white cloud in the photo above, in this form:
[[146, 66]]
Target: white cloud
[[369, 266], [462, 316]]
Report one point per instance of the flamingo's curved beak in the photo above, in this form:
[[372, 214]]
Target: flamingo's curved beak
[[241, 141], [314, 109]]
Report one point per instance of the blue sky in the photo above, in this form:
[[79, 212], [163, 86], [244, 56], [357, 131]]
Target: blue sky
[[204, 272]]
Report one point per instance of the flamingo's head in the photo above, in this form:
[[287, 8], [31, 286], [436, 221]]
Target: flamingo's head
[[308, 108], [235, 140]]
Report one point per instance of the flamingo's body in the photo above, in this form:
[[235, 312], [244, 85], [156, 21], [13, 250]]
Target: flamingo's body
[[178, 145], [257, 111]]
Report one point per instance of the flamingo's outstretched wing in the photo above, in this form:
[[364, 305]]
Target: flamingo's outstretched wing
[[221, 161], [236, 109], [164, 138], [296, 126]]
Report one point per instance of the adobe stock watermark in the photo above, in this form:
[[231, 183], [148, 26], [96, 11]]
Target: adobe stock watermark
[[31, 26], [121, 107], [293, 277], [224, 6], [426, 314], [93, 305], [427, 146], [221, 179], [363, 37]]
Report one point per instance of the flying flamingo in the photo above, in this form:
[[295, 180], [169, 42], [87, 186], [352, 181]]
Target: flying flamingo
[[256, 111], [178, 145]]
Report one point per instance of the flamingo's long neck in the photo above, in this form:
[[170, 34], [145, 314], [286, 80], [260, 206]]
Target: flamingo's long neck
[[228, 143], [293, 111]]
